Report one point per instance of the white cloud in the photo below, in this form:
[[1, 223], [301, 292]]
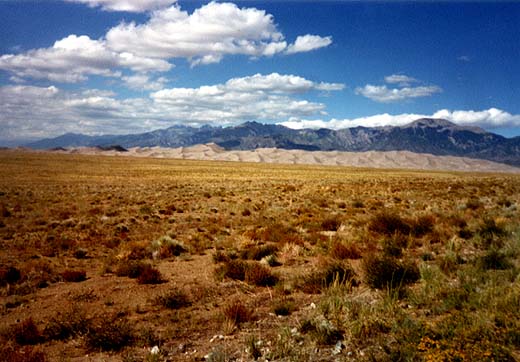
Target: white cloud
[[203, 37], [307, 43], [42, 112], [384, 94], [143, 82], [73, 58], [400, 79], [127, 5], [487, 119], [257, 97], [277, 83]]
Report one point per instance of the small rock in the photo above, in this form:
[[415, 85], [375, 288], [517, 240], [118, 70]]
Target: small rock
[[155, 350], [337, 348]]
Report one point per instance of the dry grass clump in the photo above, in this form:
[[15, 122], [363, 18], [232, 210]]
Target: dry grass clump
[[237, 313], [383, 271], [144, 273], [131, 269], [388, 223], [252, 273], [72, 322], [74, 276], [109, 333], [14, 353], [321, 331], [331, 223], [24, 333], [173, 299], [9, 275], [150, 275], [259, 252], [339, 273], [284, 307], [166, 247], [260, 275], [344, 250]]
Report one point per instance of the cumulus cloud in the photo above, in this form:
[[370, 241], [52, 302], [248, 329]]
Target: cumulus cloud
[[383, 94], [257, 97], [73, 58], [144, 82], [488, 119], [401, 79], [404, 90], [203, 37], [126, 5], [47, 111], [307, 43]]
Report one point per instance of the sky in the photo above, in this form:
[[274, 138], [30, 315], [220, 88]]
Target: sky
[[130, 66]]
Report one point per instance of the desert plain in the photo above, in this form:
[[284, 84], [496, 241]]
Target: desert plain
[[148, 259]]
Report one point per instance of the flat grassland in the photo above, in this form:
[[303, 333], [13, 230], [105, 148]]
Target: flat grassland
[[103, 258]]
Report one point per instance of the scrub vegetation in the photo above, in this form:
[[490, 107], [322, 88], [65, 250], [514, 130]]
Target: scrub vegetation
[[104, 258]]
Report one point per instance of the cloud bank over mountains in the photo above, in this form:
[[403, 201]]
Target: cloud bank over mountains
[[490, 118]]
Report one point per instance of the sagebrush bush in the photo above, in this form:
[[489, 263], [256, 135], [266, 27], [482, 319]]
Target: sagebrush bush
[[387, 272]]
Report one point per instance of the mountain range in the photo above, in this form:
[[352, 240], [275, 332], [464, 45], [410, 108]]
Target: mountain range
[[425, 135]]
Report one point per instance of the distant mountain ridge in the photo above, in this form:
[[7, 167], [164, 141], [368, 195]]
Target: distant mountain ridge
[[425, 135]]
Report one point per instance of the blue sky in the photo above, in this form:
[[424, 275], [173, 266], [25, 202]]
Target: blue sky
[[127, 66]]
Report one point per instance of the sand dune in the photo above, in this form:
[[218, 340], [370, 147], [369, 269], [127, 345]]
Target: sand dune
[[370, 159]]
